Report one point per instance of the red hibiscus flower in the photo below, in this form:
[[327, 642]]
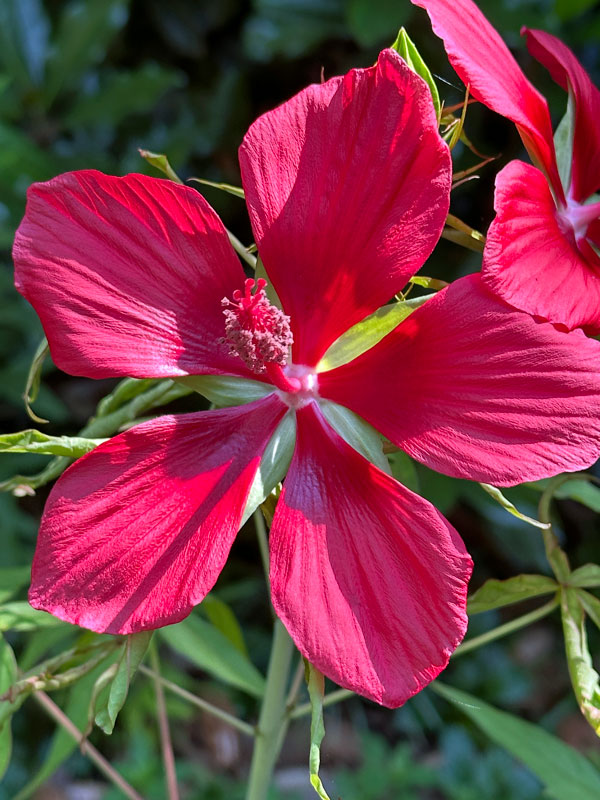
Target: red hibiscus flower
[[542, 251], [348, 187]]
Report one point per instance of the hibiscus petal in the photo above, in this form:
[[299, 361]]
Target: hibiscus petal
[[136, 533], [369, 579], [566, 70], [127, 275], [482, 60], [477, 390], [348, 188], [529, 261]]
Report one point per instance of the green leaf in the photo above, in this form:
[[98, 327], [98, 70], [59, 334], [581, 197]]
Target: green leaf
[[496, 594], [123, 94], [273, 464], [133, 652], [160, 162], [506, 504], [12, 579], [358, 433], [591, 605], [316, 692], [587, 576], [34, 379], [563, 143], [32, 441], [237, 191], [207, 648], [20, 616], [364, 335], [585, 679], [222, 617], [574, 487], [404, 470], [406, 48], [565, 773], [84, 31], [8, 675], [225, 390]]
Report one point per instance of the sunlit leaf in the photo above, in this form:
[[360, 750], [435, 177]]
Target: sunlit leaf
[[316, 691], [237, 191], [494, 492], [32, 441], [496, 594], [407, 49], [226, 390], [358, 433], [34, 379], [565, 773], [585, 679], [160, 162]]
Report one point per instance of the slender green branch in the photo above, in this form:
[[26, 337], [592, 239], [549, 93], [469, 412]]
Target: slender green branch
[[86, 748], [330, 699], [241, 250], [229, 719], [273, 719], [163, 727], [508, 627]]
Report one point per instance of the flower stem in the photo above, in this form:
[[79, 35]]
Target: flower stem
[[273, 719]]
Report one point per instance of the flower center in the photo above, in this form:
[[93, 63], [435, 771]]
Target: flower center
[[260, 334]]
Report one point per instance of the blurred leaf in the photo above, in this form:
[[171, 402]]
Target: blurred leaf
[[566, 774], [32, 441], [587, 576], [567, 9], [34, 379], [8, 675], [583, 491], [24, 30], [122, 94], [497, 495], [372, 21], [133, 652], [85, 29], [406, 48], [591, 605], [496, 594], [316, 691], [225, 187], [12, 579], [585, 679], [20, 616], [207, 648], [223, 618], [364, 335], [404, 470], [160, 162], [563, 143]]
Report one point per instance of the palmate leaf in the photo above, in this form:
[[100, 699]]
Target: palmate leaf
[[496, 594], [565, 773]]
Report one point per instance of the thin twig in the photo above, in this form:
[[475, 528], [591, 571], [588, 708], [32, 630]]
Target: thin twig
[[86, 748], [239, 724], [163, 726]]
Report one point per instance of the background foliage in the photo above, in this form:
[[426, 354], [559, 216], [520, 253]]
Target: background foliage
[[85, 83]]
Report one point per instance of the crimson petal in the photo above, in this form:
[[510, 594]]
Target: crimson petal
[[477, 390], [529, 261], [348, 187], [482, 60], [369, 579], [127, 276], [566, 70], [135, 533]]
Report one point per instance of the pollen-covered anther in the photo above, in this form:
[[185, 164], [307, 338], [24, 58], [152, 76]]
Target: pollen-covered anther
[[255, 330]]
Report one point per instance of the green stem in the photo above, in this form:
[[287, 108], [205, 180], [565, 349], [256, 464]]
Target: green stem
[[504, 630], [333, 697], [557, 558], [273, 719]]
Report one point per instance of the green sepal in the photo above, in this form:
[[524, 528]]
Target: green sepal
[[496, 594], [356, 432], [405, 47], [32, 441], [132, 653], [226, 390], [585, 679], [563, 143], [161, 162], [316, 692]]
